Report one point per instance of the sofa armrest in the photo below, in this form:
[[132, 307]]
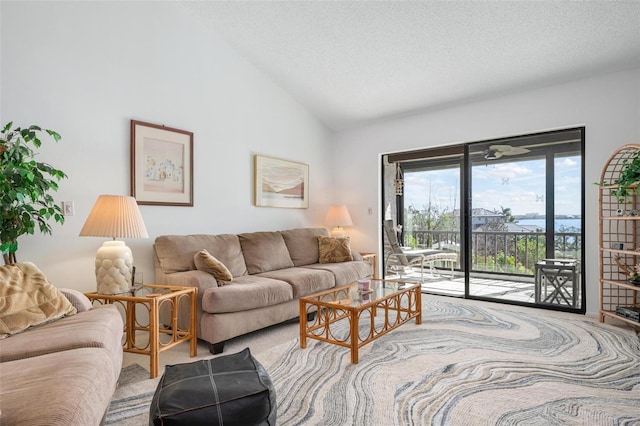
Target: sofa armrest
[[77, 299], [200, 279], [194, 278], [356, 255]]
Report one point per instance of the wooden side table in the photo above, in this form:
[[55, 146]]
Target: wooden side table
[[154, 298], [373, 259]]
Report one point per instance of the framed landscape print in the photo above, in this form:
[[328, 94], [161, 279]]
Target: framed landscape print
[[281, 183], [161, 165]]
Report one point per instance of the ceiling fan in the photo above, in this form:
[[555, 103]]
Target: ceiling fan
[[496, 151]]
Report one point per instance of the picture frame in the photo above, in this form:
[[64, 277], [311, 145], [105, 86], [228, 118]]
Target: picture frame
[[161, 165], [280, 183]]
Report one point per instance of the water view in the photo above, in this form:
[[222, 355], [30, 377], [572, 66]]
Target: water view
[[575, 225]]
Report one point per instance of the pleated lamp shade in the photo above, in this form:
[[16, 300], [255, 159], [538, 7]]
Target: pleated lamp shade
[[114, 216], [337, 217]]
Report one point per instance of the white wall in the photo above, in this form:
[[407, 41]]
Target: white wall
[[609, 107], [87, 69]]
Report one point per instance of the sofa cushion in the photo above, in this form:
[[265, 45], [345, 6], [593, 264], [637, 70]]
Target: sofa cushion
[[264, 251], [175, 252], [27, 299], [245, 293], [207, 263], [303, 281], [334, 250], [70, 388], [345, 273], [100, 327], [303, 244]]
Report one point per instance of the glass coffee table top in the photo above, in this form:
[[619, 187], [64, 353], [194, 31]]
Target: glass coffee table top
[[349, 295], [348, 317]]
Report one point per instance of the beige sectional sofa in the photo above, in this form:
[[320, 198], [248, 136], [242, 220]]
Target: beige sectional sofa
[[63, 372], [271, 271]]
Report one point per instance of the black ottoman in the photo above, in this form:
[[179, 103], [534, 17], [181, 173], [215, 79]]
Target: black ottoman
[[228, 390]]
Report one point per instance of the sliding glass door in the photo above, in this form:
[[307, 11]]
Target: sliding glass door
[[510, 209]]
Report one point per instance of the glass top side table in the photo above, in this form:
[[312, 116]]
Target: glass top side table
[[152, 299]]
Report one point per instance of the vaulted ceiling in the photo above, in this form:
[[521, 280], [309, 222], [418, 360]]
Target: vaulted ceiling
[[352, 62]]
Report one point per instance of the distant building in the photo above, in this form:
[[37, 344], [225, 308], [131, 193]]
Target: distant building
[[481, 217]]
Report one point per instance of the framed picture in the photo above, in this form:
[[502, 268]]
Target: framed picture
[[281, 183], [161, 165]]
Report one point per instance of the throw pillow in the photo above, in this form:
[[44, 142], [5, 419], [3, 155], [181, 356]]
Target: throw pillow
[[334, 250], [207, 263], [27, 299]]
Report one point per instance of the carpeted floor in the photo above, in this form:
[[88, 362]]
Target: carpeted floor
[[131, 400], [467, 364]]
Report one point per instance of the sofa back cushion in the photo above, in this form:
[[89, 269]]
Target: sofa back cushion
[[303, 244], [264, 252], [175, 252]]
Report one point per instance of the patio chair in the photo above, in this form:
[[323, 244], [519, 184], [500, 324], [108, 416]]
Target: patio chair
[[424, 258]]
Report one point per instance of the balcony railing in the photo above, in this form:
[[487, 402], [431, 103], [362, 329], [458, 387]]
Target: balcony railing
[[502, 252]]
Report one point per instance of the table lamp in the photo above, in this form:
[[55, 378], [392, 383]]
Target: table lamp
[[115, 216], [337, 217]]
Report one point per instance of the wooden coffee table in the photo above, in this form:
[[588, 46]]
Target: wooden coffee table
[[387, 306]]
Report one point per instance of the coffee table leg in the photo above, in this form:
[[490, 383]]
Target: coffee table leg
[[418, 293], [353, 319], [303, 325]]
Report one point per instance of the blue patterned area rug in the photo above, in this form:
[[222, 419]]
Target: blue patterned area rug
[[132, 398], [466, 365]]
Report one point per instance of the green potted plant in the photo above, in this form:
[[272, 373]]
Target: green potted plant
[[25, 187], [627, 181]]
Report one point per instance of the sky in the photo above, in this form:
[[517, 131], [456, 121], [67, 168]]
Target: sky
[[517, 185]]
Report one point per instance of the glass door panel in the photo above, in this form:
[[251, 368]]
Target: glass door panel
[[525, 226], [507, 203], [431, 223]]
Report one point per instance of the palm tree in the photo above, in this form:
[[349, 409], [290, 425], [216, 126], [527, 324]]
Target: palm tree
[[508, 216]]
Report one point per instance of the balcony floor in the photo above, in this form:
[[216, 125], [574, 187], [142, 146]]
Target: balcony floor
[[492, 287]]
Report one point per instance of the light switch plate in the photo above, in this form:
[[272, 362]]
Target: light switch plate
[[68, 208]]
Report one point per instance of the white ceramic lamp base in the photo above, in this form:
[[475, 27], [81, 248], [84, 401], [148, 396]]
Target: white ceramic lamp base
[[338, 232], [114, 268]]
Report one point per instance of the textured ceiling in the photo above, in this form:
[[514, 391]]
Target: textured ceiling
[[353, 62]]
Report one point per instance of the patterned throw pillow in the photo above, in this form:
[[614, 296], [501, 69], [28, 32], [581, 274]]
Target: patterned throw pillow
[[27, 299], [206, 262], [334, 250]]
